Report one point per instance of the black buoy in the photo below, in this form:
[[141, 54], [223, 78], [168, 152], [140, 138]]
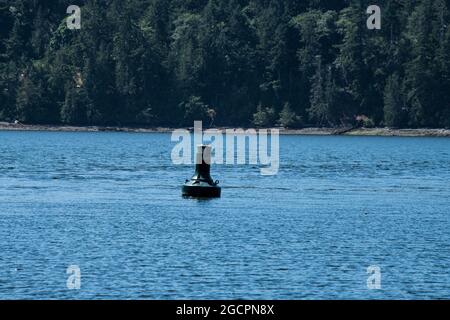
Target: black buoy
[[201, 184]]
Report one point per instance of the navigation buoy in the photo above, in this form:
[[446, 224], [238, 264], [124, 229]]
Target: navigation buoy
[[201, 184]]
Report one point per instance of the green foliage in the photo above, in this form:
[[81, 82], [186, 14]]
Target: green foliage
[[264, 117], [164, 62], [393, 102], [77, 107], [194, 110], [324, 107], [31, 103], [288, 118]]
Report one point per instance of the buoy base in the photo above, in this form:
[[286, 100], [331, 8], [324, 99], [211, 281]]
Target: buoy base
[[201, 190]]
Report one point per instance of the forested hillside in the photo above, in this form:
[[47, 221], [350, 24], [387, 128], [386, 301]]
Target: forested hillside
[[228, 62]]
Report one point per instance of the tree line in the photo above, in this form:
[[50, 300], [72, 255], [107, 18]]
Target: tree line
[[292, 63]]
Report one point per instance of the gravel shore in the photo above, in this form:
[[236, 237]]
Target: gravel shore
[[385, 132]]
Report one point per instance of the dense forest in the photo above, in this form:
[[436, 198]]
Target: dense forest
[[259, 63]]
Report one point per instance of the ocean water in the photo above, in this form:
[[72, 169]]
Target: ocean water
[[110, 203]]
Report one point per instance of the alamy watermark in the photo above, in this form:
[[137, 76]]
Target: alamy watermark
[[374, 279], [74, 20], [251, 146], [374, 20], [74, 279]]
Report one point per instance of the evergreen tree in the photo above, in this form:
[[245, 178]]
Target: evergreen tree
[[426, 32], [194, 110], [264, 117], [288, 118], [393, 102], [325, 98], [159, 62], [76, 106], [30, 102]]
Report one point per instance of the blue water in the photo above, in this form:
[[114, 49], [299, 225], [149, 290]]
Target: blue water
[[110, 203]]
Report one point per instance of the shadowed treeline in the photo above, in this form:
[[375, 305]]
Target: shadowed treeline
[[227, 62]]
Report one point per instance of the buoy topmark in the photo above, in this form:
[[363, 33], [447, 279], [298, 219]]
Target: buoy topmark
[[201, 184]]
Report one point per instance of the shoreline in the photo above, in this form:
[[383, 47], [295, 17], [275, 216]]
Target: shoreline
[[375, 132]]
